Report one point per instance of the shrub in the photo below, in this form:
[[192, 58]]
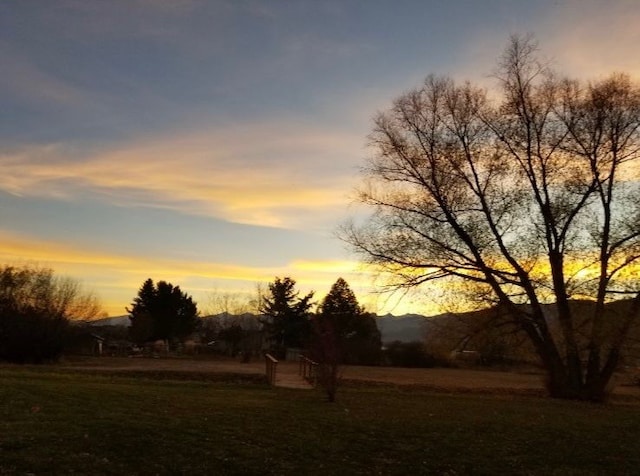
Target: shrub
[[35, 309], [32, 336], [411, 354]]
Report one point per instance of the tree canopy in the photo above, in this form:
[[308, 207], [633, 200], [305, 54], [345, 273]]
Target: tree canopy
[[286, 314], [35, 309], [527, 194], [356, 335], [162, 312]]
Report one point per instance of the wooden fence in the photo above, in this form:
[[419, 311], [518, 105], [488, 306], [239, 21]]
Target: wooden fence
[[272, 367], [308, 370]]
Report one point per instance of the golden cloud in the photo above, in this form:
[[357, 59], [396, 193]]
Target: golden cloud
[[116, 278], [339, 266], [268, 175]]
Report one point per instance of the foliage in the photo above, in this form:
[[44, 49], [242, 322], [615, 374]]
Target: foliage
[[521, 200], [233, 303], [77, 423], [410, 354], [162, 312], [356, 332], [233, 336], [35, 309], [286, 314], [32, 336], [326, 351], [490, 333], [343, 333]]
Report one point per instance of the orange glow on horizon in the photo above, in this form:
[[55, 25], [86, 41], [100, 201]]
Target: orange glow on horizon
[[116, 278]]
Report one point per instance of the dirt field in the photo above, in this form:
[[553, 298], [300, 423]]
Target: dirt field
[[140, 364], [448, 380]]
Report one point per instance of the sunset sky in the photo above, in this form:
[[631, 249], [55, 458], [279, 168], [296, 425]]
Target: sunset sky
[[217, 144]]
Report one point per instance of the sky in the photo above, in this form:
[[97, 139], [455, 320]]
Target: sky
[[218, 144]]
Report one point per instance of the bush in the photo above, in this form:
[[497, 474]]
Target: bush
[[495, 354], [411, 354], [32, 336], [35, 309]]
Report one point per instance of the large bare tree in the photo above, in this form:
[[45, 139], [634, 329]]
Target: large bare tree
[[529, 193]]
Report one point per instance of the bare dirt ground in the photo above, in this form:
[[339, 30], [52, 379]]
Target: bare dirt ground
[[448, 380], [168, 364], [462, 380]]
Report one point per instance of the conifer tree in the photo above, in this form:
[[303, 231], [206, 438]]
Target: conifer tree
[[356, 333], [286, 314], [162, 312]]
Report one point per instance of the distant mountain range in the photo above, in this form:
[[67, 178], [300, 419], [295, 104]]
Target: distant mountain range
[[406, 328], [111, 321]]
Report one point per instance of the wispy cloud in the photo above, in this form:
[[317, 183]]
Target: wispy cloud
[[24, 80], [116, 277], [261, 174]]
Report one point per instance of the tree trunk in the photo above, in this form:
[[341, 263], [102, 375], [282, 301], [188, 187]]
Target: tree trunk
[[562, 384], [329, 379]]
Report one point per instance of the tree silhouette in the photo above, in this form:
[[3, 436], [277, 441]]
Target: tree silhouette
[[36, 307], [286, 314], [342, 333], [526, 196], [162, 312], [357, 334]]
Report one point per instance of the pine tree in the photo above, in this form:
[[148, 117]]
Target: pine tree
[[357, 336], [162, 312], [286, 314]]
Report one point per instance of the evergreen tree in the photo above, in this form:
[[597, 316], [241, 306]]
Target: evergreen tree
[[356, 335], [162, 312], [286, 314]]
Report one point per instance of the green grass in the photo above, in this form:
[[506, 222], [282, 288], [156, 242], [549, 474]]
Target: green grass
[[65, 423]]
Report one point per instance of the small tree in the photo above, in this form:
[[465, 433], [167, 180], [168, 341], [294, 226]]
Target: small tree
[[343, 333], [286, 314], [327, 352], [358, 335], [162, 312], [232, 335]]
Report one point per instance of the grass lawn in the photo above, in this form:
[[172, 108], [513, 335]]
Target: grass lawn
[[65, 423]]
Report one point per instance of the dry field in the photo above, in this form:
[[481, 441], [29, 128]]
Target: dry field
[[529, 382], [169, 364]]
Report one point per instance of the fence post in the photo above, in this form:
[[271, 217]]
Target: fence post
[[271, 368], [308, 370], [301, 365]]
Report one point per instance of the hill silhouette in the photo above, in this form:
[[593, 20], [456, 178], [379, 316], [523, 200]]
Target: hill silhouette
[[405, 328]]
